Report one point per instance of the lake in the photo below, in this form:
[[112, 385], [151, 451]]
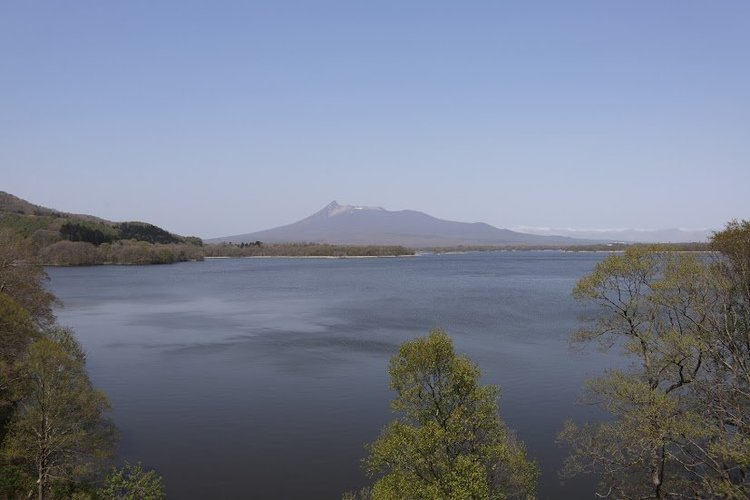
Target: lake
[[264, 378]]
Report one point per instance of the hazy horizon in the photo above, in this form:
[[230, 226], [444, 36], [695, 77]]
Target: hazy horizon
[[228, 118]]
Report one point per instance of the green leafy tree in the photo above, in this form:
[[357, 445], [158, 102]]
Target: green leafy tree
[[142, 231], [449, 442], [636, 454], [13, 480], [95, 233], [132, 482], [681, 410], [17, 332], [723, 394], [58, 429], [22, 277]]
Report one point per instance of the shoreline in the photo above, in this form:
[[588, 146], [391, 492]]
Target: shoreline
[[312, 256]]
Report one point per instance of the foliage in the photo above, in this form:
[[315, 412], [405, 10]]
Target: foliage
[[734, 244], [193, 240], [142, 231], [44, 237], [724, 394], [58, 429], [95, 233], [69, 253], [13, 480], [259, 249], [449, 441], [132, 482], [363, 494], [681, 423], [26, 225], [16, 334], [22, 277], [130, 252]]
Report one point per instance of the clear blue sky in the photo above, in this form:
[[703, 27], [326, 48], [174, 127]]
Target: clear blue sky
[[215, 118]]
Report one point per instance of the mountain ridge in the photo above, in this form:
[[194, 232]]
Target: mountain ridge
[[363, 225]]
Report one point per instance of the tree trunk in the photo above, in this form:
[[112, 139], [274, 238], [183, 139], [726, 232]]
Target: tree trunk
[[41, 484], [657, 472]]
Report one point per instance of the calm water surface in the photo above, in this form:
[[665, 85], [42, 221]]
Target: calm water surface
[[263, 378]]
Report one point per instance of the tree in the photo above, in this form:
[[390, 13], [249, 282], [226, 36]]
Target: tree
[[58, 429], [132, 482], [681, 409], [54, 435], [724, 393], [22, 277], [16, 334], [449, 442]]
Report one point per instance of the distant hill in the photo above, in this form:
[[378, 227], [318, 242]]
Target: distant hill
[[46, 226], [355, 225]]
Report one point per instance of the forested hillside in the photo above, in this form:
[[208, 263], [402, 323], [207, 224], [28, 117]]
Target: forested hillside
[[73, 239]]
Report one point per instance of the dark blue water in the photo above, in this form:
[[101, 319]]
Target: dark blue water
[[263, 378]]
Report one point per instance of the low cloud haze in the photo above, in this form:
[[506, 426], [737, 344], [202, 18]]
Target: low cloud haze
[[675, 235]]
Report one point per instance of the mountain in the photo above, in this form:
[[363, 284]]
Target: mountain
[[673, 235], [356, 225]]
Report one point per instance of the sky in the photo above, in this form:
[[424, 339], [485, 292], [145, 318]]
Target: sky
[[218, 118]]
